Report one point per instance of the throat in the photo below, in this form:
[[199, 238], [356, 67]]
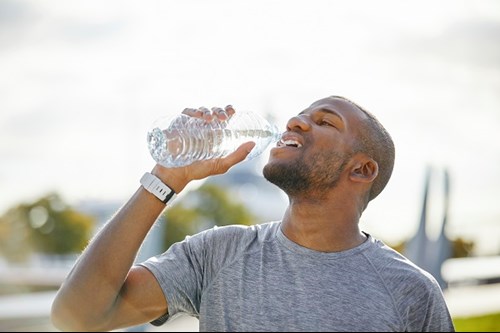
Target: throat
[[326, 236]]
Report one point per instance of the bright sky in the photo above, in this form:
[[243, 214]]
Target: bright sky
[[81, 82]]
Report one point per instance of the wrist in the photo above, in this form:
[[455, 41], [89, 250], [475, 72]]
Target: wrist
[[173, 178], [157, 187]]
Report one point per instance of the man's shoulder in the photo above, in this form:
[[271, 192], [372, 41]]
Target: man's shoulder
[[394, 266], [226, 244]]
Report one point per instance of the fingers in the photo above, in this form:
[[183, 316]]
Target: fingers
[[220, 113], [192, 112], [229, 110], [209, 115]]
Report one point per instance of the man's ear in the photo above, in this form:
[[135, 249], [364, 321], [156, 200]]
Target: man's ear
[[364, 170]]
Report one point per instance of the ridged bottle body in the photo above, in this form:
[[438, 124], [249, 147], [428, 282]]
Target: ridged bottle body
[[181, 140]]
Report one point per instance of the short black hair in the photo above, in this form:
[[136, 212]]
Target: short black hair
[[376, 142]]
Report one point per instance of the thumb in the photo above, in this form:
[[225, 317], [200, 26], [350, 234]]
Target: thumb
[[217, 166], [239, 154]]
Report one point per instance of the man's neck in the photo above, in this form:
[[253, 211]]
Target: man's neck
[[322, 225]]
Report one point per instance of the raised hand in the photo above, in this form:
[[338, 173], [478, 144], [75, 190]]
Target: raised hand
[[178, 178]]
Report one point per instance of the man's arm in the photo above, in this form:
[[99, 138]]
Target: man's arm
[[103, 291]]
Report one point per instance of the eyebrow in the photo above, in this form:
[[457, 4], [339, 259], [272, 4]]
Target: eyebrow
[[326, 110]]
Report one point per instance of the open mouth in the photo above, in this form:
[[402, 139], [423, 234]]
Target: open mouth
[[289, 143]]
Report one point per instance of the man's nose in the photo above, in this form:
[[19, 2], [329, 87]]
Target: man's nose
[[301, 122]]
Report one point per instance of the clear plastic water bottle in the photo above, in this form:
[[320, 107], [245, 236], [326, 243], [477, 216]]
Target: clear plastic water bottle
[[181, 140]]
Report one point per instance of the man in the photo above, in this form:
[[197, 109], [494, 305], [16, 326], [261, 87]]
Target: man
[[312, 271]]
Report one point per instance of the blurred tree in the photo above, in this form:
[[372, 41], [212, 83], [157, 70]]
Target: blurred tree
[[15, 244], [47, 226], [461, 248], [206, 207]]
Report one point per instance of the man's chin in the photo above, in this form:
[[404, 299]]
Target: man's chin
[[269, 171], [283, 176], [272, 169]]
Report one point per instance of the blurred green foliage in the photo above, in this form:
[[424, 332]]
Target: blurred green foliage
[[47, 226], [461, 248], [484, 323], [210, 205]]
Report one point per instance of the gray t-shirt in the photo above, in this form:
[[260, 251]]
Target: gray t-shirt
[[239, 278]]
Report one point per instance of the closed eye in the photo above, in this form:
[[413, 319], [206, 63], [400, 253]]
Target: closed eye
[[325, 122]]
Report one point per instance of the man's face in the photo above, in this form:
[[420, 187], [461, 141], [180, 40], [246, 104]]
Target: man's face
[[315, 148]]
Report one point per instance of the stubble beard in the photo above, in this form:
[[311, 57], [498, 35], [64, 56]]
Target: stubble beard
[[308, 175]]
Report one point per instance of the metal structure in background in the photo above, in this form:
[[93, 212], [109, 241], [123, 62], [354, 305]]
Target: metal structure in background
[[427, 253]]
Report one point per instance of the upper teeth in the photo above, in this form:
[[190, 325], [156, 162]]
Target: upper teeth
[[291, 143]]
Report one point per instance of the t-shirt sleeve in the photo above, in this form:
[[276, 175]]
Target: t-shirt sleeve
[[179, 272], [416, 294], [434, 316], [188, 267]]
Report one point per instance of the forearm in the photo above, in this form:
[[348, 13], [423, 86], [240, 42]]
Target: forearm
[[91, 294], [93, 286]]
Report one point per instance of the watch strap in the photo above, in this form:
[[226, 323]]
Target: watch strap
[[158, 188]]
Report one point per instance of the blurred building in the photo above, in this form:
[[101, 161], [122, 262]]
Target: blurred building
[[427, 253]]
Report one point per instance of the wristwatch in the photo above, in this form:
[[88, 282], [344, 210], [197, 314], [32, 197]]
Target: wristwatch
[[155, 186]]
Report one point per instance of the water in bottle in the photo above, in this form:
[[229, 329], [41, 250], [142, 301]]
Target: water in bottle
[[181, 140]]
